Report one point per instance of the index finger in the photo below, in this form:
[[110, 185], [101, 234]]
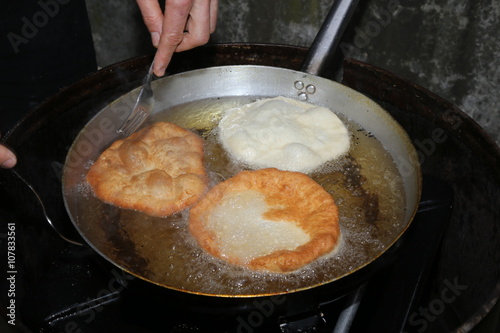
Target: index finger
[[174, 22]]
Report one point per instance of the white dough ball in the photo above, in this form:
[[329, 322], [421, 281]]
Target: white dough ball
[[283, 133]]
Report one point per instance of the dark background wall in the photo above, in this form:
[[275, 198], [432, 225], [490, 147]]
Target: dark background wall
[[451, 47]]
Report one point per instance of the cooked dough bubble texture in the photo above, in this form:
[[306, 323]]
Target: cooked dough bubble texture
[[266, 220], [158, 170]]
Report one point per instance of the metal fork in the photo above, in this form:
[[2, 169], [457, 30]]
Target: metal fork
[[44, 211], [142, 108]]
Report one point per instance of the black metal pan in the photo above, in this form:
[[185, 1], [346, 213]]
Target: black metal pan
[[160, 251]]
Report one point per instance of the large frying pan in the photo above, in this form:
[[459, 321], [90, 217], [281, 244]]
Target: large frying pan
[[149, 248]]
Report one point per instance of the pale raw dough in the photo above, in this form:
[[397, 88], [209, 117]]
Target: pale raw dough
[[283, 133]]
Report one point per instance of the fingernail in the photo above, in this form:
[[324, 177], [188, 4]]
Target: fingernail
[[155, 37], [159, 71], [9, 163]]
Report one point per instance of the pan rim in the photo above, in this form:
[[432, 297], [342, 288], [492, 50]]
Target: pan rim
[[410, 215]]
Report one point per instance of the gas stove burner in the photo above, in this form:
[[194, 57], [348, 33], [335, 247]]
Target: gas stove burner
[[80, 291]]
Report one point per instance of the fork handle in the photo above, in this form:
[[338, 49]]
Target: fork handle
[[40, 202]]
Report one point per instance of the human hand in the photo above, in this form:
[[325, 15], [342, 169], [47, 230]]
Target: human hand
[[7, 158], [184, 25]]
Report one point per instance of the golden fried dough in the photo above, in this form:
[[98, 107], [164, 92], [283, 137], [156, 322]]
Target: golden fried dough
[[266, 220], [157, 170]]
